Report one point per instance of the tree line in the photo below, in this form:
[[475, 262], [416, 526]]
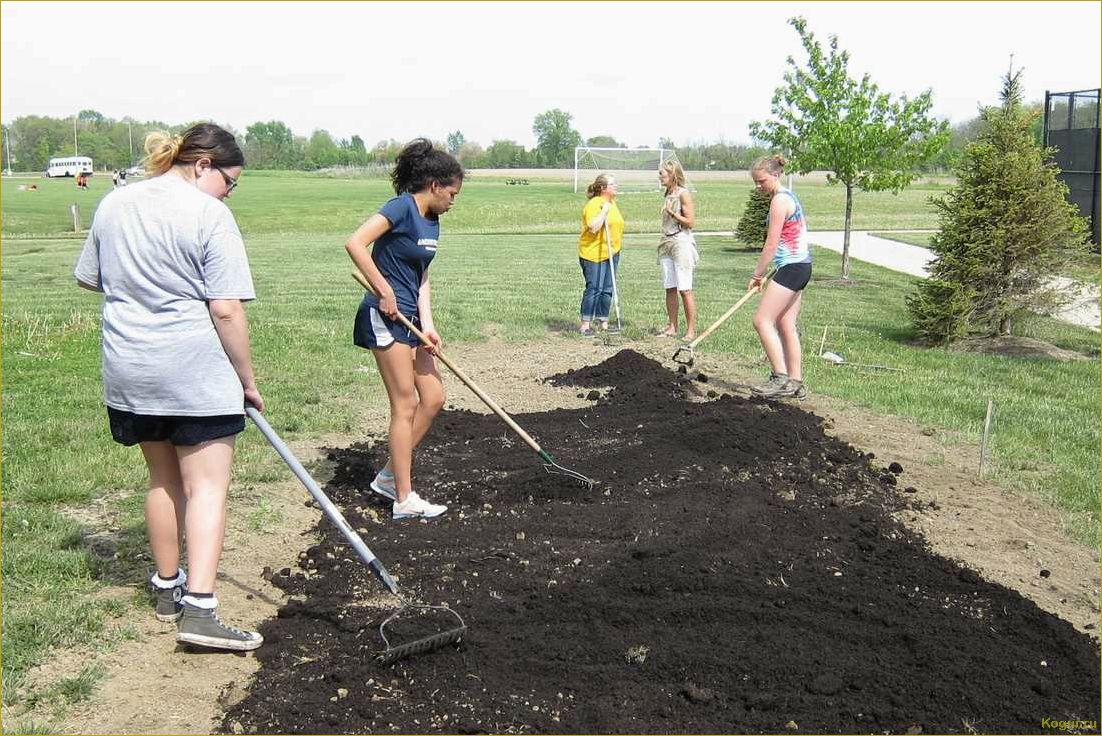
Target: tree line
[[33, 139]]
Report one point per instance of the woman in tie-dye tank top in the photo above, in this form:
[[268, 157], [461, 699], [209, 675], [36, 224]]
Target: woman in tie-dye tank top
[[787, 247]]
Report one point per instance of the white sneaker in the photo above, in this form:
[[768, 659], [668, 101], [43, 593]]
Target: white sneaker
[[384, 485], [414, 505]]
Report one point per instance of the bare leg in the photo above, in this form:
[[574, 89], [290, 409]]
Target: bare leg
[[396, 367], [671, 313], [430, 397], [776, 300], [790, 339], [205, 472], [690, 314], [165, 506]]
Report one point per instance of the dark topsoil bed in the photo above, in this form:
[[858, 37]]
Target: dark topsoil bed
[[734, 570]]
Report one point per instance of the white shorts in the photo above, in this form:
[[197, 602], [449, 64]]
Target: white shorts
[[674, 276]]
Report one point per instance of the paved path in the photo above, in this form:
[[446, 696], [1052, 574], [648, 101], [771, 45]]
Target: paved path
[[1082, 310]]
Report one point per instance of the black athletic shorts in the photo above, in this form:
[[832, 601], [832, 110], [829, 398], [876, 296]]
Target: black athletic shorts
[[130, 429], [794, 276]]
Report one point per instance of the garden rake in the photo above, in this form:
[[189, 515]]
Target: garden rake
[[549, 462], [612, 266], [392, 652], [689, 350]]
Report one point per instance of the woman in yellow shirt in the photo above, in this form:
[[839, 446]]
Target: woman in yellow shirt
[[601, 239]]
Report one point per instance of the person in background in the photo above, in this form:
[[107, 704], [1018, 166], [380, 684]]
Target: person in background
[[787, 247], [599, 248], [169, 259], [393, 250], [677, 254]]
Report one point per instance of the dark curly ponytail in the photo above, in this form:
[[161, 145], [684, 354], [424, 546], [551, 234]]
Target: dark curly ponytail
[[420, 164]]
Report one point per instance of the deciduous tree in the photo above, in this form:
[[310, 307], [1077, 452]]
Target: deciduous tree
[[825, 120], [555, 138]]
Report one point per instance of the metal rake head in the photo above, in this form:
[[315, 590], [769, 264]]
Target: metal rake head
[[422, 645], [685, 361]]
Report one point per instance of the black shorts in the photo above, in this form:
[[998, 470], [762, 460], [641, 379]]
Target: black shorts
[[130, 429], [373, 329], [794, 276]]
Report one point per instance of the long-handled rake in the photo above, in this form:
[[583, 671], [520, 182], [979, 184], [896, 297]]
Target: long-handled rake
[[612, 266], [392, 652], [549, 462], [689, 350]]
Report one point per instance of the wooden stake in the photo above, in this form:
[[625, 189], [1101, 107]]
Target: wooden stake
[[986, 434], [74, 210], [822, 343]]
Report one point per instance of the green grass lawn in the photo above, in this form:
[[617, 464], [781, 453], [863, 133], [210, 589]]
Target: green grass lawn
[[267, 203], [60, 464]]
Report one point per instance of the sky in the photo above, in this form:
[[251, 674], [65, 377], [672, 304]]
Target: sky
[[689, 71]]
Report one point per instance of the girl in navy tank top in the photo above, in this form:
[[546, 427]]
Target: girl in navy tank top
[[393, 250]]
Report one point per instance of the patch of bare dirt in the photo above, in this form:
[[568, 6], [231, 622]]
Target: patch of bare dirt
[[152, 687], [1011, 346]]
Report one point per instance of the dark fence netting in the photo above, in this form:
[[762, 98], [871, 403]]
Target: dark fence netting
[[1072, 128]]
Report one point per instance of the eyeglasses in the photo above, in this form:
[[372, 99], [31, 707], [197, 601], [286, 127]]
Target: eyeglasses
[[231, 183]]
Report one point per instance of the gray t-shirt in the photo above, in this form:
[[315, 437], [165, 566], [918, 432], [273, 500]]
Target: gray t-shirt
[[159, 250]]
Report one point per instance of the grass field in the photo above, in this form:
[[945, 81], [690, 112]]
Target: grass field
[[280, 203], [64, 478]]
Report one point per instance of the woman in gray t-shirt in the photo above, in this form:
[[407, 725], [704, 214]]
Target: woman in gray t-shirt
[[168, 257]]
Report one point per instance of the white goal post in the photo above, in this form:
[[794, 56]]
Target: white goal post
[[635, 169]]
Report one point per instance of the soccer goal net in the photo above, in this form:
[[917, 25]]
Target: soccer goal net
[[635, 169]]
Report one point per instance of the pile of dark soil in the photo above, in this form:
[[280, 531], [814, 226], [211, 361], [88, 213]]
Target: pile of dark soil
[[734, 570]]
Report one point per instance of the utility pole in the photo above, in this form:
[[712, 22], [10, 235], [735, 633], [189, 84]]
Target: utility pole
[[75, 152], [7, 144]]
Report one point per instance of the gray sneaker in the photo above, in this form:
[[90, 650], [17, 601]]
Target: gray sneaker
[[772, 387], [202, 627], [166, 601], [793, 389], [169, 608]]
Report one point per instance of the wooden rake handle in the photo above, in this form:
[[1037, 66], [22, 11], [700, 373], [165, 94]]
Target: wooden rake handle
[[726, 315], [458, 373]]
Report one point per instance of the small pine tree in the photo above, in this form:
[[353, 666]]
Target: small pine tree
[[753, 223], [1005, 229]]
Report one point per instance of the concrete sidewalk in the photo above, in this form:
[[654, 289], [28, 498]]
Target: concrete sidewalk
[[913, 259]]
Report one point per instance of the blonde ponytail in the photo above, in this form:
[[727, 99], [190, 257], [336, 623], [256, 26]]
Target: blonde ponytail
[[773, 164], [161, 150], [202, 140]]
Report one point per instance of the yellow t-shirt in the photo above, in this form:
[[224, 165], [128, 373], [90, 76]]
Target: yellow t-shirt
[[593, 246]]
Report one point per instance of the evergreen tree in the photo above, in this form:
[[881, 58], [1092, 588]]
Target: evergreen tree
[[752, 225], [1005, 229]]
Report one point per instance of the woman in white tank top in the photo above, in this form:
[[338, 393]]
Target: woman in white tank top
[[677, 253]]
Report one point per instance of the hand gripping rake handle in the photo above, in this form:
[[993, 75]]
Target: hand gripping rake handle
[[327, 506], [544, 455], [715, 325]]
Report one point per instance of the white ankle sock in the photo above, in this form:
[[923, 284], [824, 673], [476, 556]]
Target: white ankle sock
[[163, 584], [207, 603]]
